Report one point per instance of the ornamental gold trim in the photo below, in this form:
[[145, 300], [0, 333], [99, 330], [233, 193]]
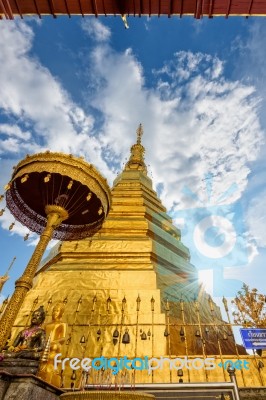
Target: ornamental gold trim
[[67, 165], [106, 395]]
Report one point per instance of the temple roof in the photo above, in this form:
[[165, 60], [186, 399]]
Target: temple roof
[[197, 8]]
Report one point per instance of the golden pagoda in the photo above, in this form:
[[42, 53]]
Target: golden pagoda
[[130, 291]]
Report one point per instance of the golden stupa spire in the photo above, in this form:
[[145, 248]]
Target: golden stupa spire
[[136, 160], [139, 133]]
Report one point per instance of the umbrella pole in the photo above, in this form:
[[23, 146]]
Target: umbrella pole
[[55, 215]]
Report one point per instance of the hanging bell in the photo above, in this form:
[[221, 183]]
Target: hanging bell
[[69, 186], [11, 226], [26, 237], [98, 335], [89, 196], [68, 340], [82, 340], [197, 334], [24, 178], [166, 333], [100, 211], [108, 301], [149, 334], [138, 303], [116, 333], [143, 336], [47, 178], [1, 197], [62, 384], [2, 212], [73, 376], [94, 301], [124, 302], [126, 337], [152, 303], [182, 332]]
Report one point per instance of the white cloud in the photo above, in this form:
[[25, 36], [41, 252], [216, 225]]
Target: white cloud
[[14, 130], [250, 68], [45, 115], [195, 121], [36, 99], [96, 30], [256, 219]]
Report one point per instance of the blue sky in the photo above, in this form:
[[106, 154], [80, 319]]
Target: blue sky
[[83, 86]]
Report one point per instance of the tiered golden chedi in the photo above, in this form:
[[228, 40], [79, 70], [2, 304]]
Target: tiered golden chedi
[[129, 291]]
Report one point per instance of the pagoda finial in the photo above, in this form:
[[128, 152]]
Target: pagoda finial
[[136, 160], [139, 133]]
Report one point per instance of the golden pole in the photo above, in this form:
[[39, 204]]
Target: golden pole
[[196, 304], [185, 333], [217, 333], [138, 301], [4, 278], [167, 333], [232, 332], [55, 215], [152, 334]]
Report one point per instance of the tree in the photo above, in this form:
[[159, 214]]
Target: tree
[[251, 308]]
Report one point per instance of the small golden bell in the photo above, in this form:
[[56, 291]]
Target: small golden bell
[[8, 186], [126, 337], [197, 334], [143, 336], [1, 197], [116, 334], [11, 226], [2, 212], [73, 376], [83, 339], [47, 178], [100, 211], [69, 186], [26, 237], [24, 178], [88, 197]]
